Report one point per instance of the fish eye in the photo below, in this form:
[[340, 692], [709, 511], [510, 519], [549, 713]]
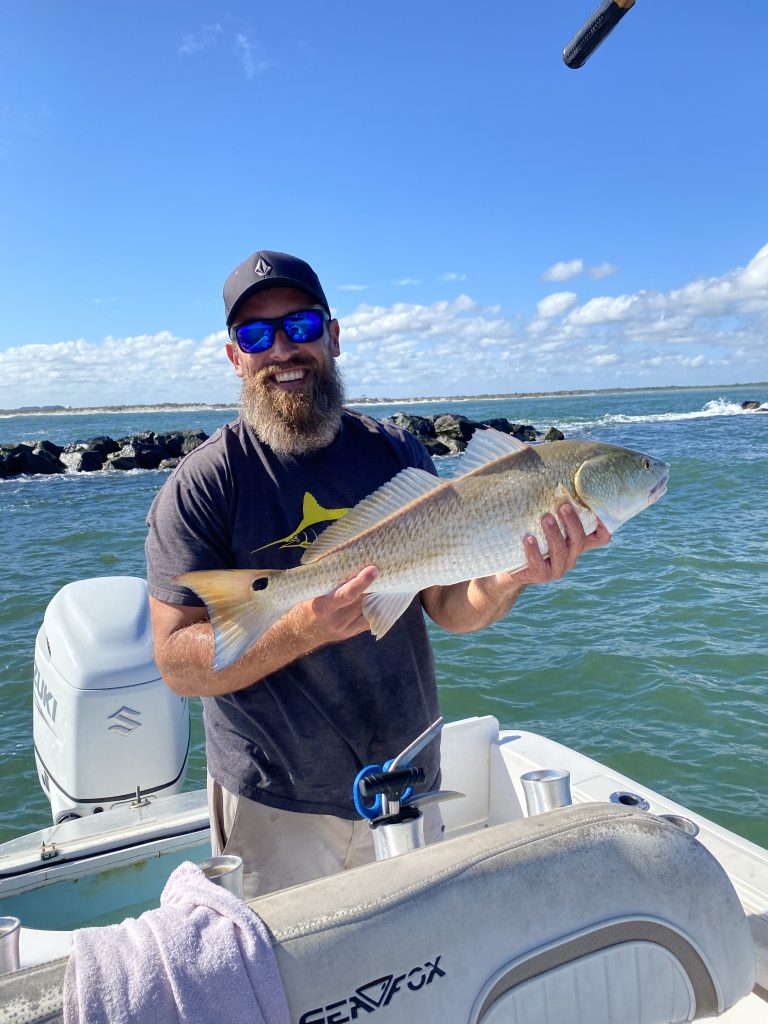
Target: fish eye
[[646, 463]]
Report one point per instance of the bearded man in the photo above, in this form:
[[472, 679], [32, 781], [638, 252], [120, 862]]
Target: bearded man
[[289, 724]]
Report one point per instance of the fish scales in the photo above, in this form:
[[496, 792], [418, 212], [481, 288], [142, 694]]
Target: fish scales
[[428, 543], [459, 529]]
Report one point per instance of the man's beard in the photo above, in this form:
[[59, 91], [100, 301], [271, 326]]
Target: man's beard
[[294, 422]]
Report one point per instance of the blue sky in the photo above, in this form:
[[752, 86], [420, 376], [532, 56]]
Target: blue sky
[[484, 219]]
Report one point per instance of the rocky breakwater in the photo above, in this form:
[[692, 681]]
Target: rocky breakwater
[[146, 450], [442, 434], [449, 433]]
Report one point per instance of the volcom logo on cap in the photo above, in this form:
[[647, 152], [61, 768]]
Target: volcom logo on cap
[[263, 268]]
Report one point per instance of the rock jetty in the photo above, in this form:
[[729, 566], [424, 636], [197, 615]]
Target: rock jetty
[[449, 433], [441, 434], [146, 450]]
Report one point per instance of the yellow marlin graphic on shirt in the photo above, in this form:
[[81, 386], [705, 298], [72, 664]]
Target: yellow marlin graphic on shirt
[[312, 514]]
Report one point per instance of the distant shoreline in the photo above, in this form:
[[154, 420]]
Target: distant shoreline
[[63, 410]]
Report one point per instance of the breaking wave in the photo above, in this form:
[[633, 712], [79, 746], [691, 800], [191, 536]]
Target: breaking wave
[[716, 407]]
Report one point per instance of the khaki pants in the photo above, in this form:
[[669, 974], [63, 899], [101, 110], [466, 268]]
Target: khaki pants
[[281, 848]]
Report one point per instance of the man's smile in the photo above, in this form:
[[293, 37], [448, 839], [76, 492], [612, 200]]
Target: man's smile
[[288, 380]]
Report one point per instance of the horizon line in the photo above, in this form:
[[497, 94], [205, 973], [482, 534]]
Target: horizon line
[[36, 410]]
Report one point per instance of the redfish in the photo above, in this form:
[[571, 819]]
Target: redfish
[[420, 530]]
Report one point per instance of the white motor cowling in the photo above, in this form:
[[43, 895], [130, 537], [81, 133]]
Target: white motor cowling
[[104, 722]]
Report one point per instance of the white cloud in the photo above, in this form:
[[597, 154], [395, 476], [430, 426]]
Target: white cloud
[[602, 270], [352, 287], [555, 304], [247, 52], [604, 310], [755, 274], [564, 270], [407, 281], [452, 276], [707, 331], [246, 49], [195, 42], [739, 292], [144, 368]]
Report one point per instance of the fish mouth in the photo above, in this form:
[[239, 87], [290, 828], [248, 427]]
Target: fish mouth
[[659, 489]]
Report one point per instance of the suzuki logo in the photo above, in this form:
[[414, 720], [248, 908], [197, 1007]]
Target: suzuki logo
[[48, 704], [374, 994], [124, 724]]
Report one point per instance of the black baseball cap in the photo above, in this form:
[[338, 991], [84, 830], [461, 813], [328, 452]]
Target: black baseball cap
[[267, 269]]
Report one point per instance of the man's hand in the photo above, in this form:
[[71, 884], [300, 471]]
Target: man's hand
[[563, 551], [465, 607], [335, 616]]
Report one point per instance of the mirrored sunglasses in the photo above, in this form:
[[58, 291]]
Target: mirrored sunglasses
[[259, 335]]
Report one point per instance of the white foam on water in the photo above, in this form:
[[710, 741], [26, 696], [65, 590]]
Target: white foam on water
[[717, 407], [73, 476]]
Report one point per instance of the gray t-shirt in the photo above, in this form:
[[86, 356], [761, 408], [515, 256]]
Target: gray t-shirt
[[297, 738]]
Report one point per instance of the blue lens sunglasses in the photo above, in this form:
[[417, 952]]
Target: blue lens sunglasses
[[259, 335]]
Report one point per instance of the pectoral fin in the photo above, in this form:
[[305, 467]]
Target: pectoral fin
[[383, 610], [585, 514], [609, 521]]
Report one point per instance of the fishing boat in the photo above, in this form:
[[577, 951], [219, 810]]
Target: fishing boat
[[562, 892]]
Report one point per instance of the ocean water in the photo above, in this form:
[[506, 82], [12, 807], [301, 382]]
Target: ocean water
[[651, 656]]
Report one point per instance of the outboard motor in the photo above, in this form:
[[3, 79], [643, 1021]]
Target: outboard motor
[[106, 727]]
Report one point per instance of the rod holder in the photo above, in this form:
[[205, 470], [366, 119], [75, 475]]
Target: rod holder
[[546, 789], [628, 799], [689, 827], [393, 838], [10, 930], [225, 871]]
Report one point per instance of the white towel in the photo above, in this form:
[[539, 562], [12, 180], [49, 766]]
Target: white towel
[[202, 957]]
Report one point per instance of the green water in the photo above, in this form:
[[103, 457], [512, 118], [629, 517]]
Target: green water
[[652, 656]]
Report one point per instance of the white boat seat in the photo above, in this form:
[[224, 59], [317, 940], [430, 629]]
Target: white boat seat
[[592, 914]]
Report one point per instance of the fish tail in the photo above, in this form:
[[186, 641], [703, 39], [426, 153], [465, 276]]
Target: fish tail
[[241, 605]]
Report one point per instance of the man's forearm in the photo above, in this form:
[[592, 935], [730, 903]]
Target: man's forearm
[[184, 641], [466, 607], [185, 659]]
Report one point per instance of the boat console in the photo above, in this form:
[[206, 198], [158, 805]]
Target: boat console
[[576, 915]]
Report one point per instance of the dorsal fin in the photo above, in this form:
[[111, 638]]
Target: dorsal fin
[[401, 490], [486, 446]]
